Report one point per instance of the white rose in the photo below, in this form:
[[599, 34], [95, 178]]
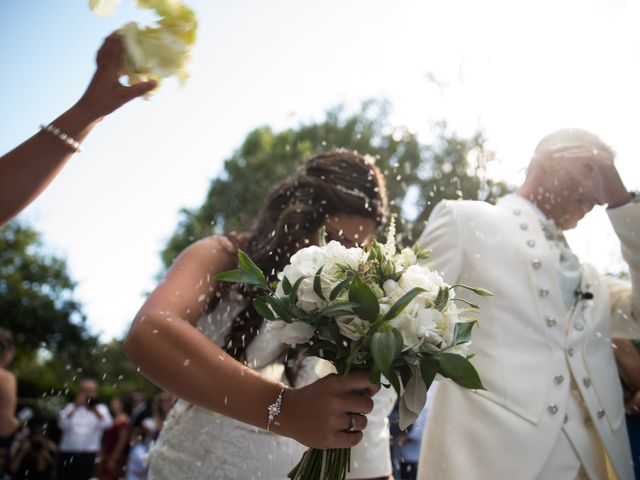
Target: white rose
[[417, 276], [291, 333], [352, 327]]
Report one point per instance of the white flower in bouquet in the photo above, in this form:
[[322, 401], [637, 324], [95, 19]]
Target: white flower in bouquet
[[291, 333], [306, 263]]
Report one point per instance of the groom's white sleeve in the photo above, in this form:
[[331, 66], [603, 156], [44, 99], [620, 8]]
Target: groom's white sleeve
[[442, 237], [625, 297]]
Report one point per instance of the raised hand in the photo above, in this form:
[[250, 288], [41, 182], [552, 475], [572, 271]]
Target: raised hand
[[105, 93], [595, 170]]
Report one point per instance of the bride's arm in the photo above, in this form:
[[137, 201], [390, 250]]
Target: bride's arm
[[177, 357], [27, 169]]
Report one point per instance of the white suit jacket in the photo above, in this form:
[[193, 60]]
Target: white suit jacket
[[527, 343]]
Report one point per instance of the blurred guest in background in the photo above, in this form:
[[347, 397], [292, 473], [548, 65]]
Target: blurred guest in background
[[115, 443], [82, 424]]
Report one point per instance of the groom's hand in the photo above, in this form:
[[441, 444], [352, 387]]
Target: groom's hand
[[320, 415]]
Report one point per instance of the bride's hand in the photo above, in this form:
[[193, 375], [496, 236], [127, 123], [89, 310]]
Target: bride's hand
[[105, 93], [320, 415]]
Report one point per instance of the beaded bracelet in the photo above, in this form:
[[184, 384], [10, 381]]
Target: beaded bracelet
[[273, 410], [59, 134]]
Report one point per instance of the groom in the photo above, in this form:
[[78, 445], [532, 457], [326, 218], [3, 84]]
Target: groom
[[553, 405]]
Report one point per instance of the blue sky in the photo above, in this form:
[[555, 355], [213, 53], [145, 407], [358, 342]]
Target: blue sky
[[516, 69]]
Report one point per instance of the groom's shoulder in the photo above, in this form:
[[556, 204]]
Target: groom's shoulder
[[466, 207]]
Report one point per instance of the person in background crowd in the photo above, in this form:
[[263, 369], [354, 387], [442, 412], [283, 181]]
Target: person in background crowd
[[628, 361], [36, 456], [139, 410], [82, 424], [115, 443], [8, 393], [136, 466]]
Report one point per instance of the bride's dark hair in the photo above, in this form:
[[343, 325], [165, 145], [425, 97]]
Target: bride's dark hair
[[336, 182]]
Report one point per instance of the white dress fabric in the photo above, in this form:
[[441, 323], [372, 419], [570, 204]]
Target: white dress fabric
[[198, 444]]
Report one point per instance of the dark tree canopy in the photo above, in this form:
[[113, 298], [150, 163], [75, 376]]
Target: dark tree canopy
[[418, 175]]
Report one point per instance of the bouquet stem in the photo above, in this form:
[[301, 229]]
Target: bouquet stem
[[316, 464]]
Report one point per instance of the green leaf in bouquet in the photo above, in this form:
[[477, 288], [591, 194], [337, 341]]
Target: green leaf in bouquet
[[394, 380], [442, 299], [374, 376], [415, 392], [460, 370], [293, 295], [263, 309], [386, 346], [429, 367], [462, 332], [367, 306], [339, 309], [238, 276], [317, 284], [338, 289], [248, 266], [397, 308], [287, 288], [279, 307]]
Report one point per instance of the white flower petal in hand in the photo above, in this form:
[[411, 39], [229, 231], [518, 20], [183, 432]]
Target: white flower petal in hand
[[104, 8]]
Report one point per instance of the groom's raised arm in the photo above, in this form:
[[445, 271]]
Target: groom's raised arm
[[625, 299], [443, 238]]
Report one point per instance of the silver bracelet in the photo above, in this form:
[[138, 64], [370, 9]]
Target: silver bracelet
[[273, 410], [60, 135]]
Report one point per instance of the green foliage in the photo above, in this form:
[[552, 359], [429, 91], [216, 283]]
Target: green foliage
[[54, 347], [36, 298], [418, 175]]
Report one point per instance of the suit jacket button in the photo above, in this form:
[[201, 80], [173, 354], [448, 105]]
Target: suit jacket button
[[517, 212], [570, 351], [558, 379], [543, 292], [551, 322], [600, 413], [553, 408], [524, 227], [536, 264], [531, 243], [586, 381], [578, 326]]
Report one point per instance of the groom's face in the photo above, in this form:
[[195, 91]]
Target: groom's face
[[569, 191]]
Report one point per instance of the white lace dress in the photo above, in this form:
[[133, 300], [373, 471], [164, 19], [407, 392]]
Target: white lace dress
[[197, 444]]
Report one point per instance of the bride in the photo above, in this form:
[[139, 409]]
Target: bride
[[203, 341]]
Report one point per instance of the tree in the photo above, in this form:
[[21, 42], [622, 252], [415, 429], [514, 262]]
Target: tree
[[418, 175], [54, 347], [36, 297]]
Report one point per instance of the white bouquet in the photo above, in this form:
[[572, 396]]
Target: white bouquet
[[378, 310]]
